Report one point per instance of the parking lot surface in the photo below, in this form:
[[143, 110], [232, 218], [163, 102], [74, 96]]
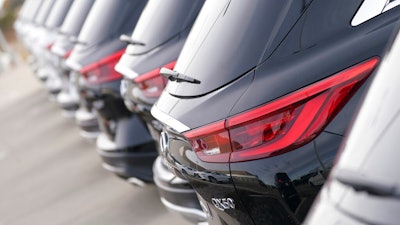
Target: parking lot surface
[[51, 175]]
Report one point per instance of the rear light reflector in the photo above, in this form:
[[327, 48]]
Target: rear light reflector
[[48, 47], [282, 125], [67, 54], [151, 84], [103, 70]]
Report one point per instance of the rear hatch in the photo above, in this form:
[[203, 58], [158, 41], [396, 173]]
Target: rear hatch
[[71, 26], [161, 23], [229, 38], [58, 13], [100, 33], [44, 12], [53, 22], [26, 17], [76, 17]]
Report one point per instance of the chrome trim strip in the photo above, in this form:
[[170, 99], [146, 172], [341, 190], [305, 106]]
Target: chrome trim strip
[[168, 120], [371, 8], [201, 216], [172, 189], [73, 65], [58, 50], [162, 173], [104, 143], [126, 71]]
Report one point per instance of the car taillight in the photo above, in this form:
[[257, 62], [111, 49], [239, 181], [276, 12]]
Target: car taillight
[[282, 125], [67, 54], [152, 83], [48, 47], [103, 70]]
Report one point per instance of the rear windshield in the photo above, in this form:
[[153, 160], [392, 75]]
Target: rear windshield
[[228, 39], [109, 19], [162, 20], [44, 11], [27, 9], [76, 17], [58, 13]]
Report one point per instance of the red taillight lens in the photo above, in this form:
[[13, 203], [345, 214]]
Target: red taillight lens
[[48, 47], [282, 125], [211, 143], [152, 83], [67, 54], [103, 70]]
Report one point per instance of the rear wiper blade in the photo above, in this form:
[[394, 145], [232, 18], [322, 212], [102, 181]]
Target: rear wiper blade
[[74, 40], [361, 183], [125, 38], [175, 76]]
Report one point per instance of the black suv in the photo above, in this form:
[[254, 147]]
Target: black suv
[[59, 81], [157, 41], [97, 49], [260, 97]]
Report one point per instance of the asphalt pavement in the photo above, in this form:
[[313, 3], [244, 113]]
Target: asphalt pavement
[[49, 174]]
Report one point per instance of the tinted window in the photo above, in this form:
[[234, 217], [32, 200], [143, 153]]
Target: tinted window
[[109, 19], [44, 11], [58, 13], [228, 39], [162, 20], [76, 17]]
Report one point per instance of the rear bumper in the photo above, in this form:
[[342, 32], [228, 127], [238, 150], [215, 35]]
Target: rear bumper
[[41, 72], [67, 101], [87, 122], [177, 195], [131, 163]]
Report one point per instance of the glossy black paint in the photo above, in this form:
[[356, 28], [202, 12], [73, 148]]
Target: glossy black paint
[[45, 37], [44, 11], [164, 36], [71, 26], [177, 194], [63, 46], [115, 17], [280, 189], [133, 150], [93, 43], [230, 30], [27, 13], [58, 13], [163, 46], [25, 19], [369, 153]]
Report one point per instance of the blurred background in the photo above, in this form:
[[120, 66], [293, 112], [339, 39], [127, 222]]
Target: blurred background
[[11, 50]]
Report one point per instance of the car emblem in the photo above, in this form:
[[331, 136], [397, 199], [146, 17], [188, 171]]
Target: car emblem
[[123, 87], [164, 142], [223, 203]]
